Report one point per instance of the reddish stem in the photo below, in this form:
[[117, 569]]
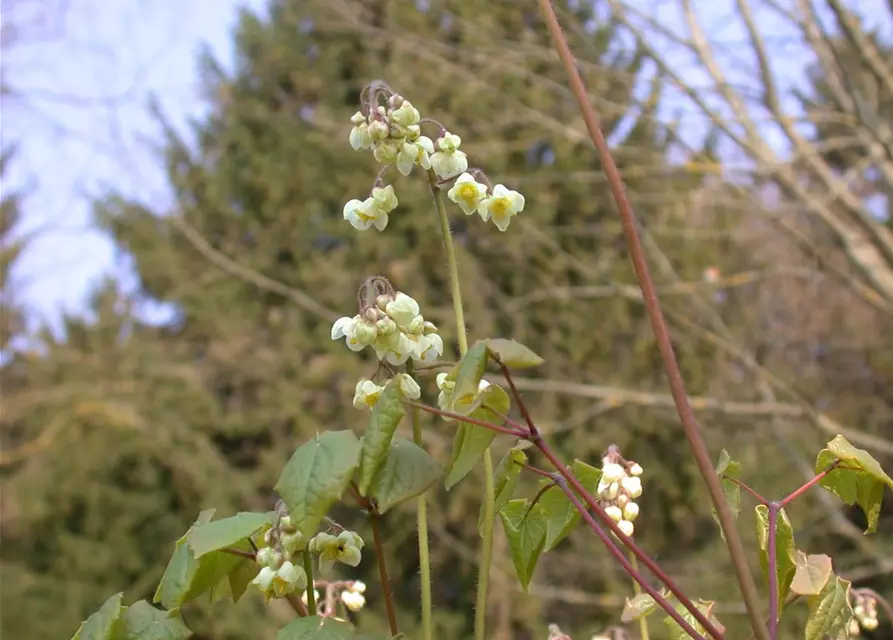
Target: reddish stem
[[615, 551], [799, 492], [239, 552], [755, 495], [517, 429]]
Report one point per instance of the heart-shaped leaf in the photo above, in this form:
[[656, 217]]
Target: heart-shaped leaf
[[728, 469], [513, 354], [142, 621], [220, 534], [812, 574], [316, 476], [472, 440], [316, 628], [105, 624], [386, 416], [408, 471], [830, 611], [525, 529], [786, 561]]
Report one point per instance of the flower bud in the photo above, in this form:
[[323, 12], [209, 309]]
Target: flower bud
[[635, 469], [286, 524], [428, 328], [385, 327], [854, 629], [293, 542], [614, 513], [386, 152], [357, 119], [353, 600], [265, 556], [416, 325], [609, 491], [612, 472], [358, 585], [378, 130], [395, 101], [626, 527], [631, 512], [621, 500], [632, 487], [409, 387]]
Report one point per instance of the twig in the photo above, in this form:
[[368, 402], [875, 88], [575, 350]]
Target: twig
[[239, 552], [297, 604], [665, 345]]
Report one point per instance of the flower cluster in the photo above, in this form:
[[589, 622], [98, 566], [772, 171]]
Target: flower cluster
[[392, 131], [619, 486], [344, 548], [865, 612], [353, 597], [279, 576], [499, 205], [393, 327]]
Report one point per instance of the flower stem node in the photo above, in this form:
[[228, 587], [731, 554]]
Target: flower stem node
[[626, 527]]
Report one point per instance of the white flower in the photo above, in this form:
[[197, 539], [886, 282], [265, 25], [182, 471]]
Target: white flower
[[626, 527], [631, 511], [359, 134], [353, 600], [409, 387], [448, 161], [468, 193], [384, 198], [614, 513], [395, 348], [612, 472], [608, 490], [501, 206], [635, 469], [429, 348], [264, 579], [366, 394], [289, 578], [405, 115], [415, 153], [402, 309], [364, 214], [356, 331], [632, 487]]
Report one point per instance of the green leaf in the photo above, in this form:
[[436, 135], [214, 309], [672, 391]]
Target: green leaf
[[862, 482], [187, 577], [507, 473], [220, 534], [786, 560], [105, 624], [472, 440], [316, 628], [525, 529], [642, 605], [730, 469], [812, 574], [407, 472], [316, 476], [240, 577], [468, 376], [386, 415], [705, 607], [142, 621], [513, 354], [830, 611], [562, 516]]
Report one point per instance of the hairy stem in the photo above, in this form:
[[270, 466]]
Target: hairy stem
[[737, 554], [308, 569], [480, 613], [383, 572], [422, 525], [637, 588]]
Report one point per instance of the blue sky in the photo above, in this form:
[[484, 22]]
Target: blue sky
[[83, 78]]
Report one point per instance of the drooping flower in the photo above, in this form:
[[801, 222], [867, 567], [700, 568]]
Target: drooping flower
[[448, 161], [501, 206], [344, 548], [468, 193], [366, 394], [362, 214]]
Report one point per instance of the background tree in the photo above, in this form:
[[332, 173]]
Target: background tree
[[144, 426]]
